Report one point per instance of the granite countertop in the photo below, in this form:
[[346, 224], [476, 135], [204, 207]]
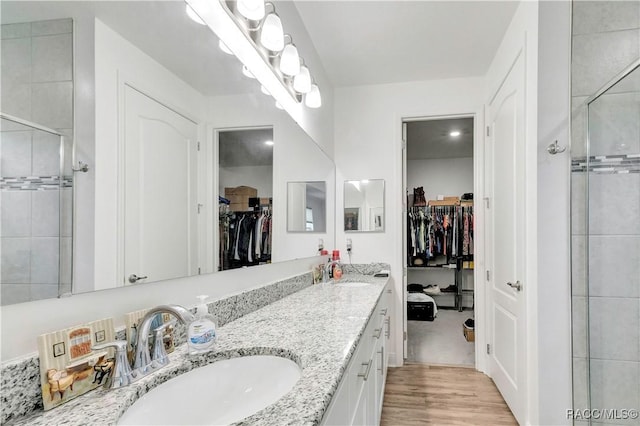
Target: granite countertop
[[317, 327]]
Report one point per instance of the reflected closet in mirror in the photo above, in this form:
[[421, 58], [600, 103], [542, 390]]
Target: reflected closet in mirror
[[245, 180]]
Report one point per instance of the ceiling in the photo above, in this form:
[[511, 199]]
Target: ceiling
[[241, 148], [376, 42], [430, 139]]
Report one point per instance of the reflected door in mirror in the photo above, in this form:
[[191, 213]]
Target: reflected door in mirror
[[160, 191], [364, 205]]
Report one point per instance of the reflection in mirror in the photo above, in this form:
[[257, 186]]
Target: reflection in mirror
[[364, 205], [306, 206], [245, 178], [95, 71], [36, 212]]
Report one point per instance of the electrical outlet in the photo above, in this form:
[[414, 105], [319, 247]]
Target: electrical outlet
[[349, 244]]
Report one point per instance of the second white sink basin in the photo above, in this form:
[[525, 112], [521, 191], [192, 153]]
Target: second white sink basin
[[348, 284], [217, 394]]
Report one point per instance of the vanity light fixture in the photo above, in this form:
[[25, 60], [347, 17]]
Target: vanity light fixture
[[302, 81], [290, 59], [194, 16], [272, 33], [259, 43], [313, 98], [455, 134], [251, 9]]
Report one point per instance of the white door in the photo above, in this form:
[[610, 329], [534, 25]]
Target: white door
[[405, 254], [160, 185], [505, 231]]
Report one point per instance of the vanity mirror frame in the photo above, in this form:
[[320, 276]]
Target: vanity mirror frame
[[370, 218]]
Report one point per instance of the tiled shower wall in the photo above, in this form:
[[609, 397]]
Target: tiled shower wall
[[606, 249], [37, 86]]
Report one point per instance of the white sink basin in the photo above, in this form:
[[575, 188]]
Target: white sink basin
[[217, 394], [347, 284]]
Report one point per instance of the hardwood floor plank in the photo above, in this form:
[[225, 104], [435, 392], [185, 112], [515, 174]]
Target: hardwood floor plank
[[419, 394]]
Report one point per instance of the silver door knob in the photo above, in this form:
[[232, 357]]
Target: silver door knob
[[517, 285], [133, 278]]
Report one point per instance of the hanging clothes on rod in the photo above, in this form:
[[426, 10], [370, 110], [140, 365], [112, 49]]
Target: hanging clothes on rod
[[245, 238]]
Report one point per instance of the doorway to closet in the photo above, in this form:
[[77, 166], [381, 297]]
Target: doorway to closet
[[439, 236]]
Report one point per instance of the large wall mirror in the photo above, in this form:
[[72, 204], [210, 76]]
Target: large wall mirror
[[144, 97], [364, 205]]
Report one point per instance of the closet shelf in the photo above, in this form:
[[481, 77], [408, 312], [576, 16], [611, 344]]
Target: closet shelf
[[433, 267]]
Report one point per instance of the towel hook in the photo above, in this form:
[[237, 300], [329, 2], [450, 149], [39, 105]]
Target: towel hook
[[554, 148]]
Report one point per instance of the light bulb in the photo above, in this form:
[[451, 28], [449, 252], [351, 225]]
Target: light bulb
[[302, 81], [272, 34], [454, 134], [246, 72], [290, 60], [270, 143], [251, 9], [313, 98], [194, 16], [224, 48]]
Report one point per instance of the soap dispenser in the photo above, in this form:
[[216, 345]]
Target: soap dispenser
[[202, 332]]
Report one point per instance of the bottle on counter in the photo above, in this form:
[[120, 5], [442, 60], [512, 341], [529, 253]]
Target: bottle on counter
[[202, 333], [337, 269]]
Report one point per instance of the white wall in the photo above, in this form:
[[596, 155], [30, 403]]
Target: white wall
[[553, 189], [442, 176], [258, 177], [368, 145]]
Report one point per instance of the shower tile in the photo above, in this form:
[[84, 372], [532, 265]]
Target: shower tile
[[52, 58], [580, 384], [43, 291], [66, 262], [614, 266], [603, 16], [578, 122], [578, 265], [15, 148], [53, 104], [54, 26], [16, 62], [16, 214], [597, 58], [44, 260], [16, 99], [45, 218], [66, 213], [14, 293], [614, 328], [579, 326], [46, 154], [578, 203], [614, 204], [16, 30], [16, 260], [614, 124], [614, 385]]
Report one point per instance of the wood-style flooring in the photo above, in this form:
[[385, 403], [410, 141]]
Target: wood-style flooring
[[419, 394]]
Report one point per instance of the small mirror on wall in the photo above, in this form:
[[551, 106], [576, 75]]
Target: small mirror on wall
[[364, 205], [306, 207]]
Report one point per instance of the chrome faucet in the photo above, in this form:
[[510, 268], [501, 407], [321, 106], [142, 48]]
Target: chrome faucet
[[327, 268], [143, 363]]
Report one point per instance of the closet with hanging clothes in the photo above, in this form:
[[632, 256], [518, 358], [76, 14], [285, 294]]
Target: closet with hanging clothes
[[439, 240]]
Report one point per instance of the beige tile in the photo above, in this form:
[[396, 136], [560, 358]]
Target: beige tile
[[16, 260], [53, 104], [16, 30], [54, 26], [52, 58], [602, 16], [16, 213], [16, 61], [15, 148]]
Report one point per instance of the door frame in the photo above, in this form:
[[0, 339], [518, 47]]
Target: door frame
[[479, 245]]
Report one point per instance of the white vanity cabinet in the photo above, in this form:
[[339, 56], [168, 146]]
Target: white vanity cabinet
[[358, 399]]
